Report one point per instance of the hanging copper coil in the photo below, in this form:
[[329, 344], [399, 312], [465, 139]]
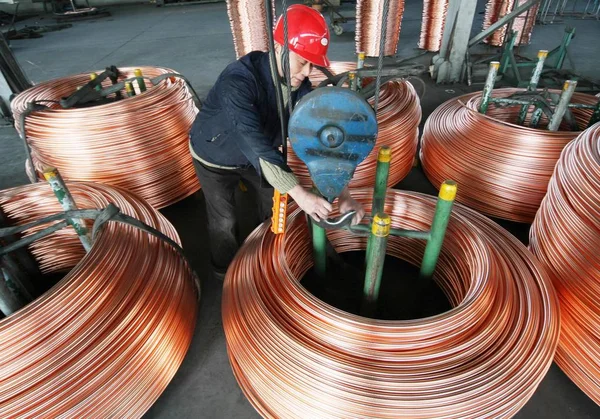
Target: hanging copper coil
[[296, 356], [565, 237], [139, 143], [248, 20], [106, 340], [369, 18], [502, 168], [398, 120], [523, 24], [433, 23]]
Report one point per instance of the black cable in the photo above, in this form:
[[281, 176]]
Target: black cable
[[275, 75]]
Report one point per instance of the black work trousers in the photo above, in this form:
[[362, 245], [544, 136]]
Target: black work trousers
[[219, 186]]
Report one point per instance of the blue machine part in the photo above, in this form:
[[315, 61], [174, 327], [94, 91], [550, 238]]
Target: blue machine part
[[332, 130]]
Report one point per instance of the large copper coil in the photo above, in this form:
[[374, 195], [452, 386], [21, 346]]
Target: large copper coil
[[433, 23], [503, 169], [523, 24], [335, 67], [106, 340], [248, 19], [296, 356], [398, 118], [369, 18], [139, 143], [565, 237]]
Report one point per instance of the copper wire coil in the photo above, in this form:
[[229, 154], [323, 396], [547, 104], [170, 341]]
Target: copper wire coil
[[398, 119], [565, 237], [523, 24], [433, 23], [107, 339], [248, 20], [335, 67], [502, 168], [296, 356], [138, 143], [369, 15]]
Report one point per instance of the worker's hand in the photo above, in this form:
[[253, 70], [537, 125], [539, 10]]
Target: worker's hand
[[315, 206], [347, 204]]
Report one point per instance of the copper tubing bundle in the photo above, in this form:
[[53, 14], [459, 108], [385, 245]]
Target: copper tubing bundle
[[565, 237], [523, 24], [335, 67], [248, 19], [503, 169], [398, 117], [107, 339], [139, 143], [369, 15], [296, 356], [433, 23]]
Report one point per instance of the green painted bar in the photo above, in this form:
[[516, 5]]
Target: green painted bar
[[140, 79], [489, 87], [535, 117], [380, 232], [384, 157], [68, 203], [319, 238], [438, 228]]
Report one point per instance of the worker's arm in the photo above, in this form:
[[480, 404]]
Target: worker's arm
[[238, 98], [347, 203]]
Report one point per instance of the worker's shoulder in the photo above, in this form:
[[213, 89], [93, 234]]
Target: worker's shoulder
[[249, 66]]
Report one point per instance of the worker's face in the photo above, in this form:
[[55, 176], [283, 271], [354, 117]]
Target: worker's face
[[299, 67]]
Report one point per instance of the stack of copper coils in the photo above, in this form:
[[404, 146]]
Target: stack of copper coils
[[432, 26], [565, 237], [369, 18], [503, 168], [139, 143], [107, 339], [398, 118], [248, 19], [296, 356], [523, 24]]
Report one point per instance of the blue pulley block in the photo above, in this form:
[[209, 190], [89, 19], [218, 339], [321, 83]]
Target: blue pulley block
[[332, 130]]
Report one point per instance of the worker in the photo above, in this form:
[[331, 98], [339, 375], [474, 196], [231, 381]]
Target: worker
[[237, 137]]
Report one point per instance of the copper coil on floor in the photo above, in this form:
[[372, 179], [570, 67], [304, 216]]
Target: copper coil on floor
[[296, 356], [565, 237], [503, 169], [523, 24], [139, 143], [335, 67], [433, 23], [248, 19], [106, 340], [369, 15], [398, 120]]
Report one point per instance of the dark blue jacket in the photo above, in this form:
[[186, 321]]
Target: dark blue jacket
[[238, 122]]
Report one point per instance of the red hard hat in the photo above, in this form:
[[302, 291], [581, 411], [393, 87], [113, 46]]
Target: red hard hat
[[308, 34]]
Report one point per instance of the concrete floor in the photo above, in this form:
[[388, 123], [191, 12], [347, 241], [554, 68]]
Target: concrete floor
[[196, 41]]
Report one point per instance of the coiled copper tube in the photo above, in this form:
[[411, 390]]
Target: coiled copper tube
[[523, 24], [398, 119], [107, 339], [139, 143], [369, 14], [503, 168], [565, 236], [432, 26], [296, 356], [248, 20]]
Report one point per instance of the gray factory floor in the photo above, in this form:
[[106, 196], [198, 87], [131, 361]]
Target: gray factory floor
[[196, 41]]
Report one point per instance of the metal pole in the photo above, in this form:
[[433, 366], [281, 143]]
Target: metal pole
[[489, 87], [140, 79], [535, 117], [595, 116], [380, 231], [353, 80], [359, 65], [319, 238], [438, 228], [563, 103], [68, 204], [537, 71], [129, 89], [384, 158]]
